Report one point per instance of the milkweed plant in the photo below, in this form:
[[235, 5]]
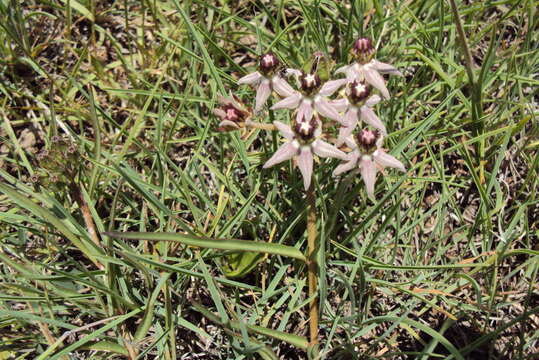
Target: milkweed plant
[[328, 118]]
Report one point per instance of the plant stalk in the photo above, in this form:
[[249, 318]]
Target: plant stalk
[[312, 266]]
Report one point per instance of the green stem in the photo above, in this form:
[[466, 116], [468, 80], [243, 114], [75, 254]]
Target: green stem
[[312, 265], [477, 108]]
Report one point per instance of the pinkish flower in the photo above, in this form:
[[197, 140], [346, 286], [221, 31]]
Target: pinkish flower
[[359, 104], [368, 157], [266, 80], [232, 113], [312, 98], [368, 69], [302, 141]]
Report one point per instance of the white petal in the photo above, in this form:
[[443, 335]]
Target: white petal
[[340, 104], [369, 117], [305, 111], [325, 109], [331, 86], [386, 160], [284, 129], [348, 165], [373, 100], [350, 118], [281, 87], [368, 173], [323, 149], [345, 132], [375, 79], [228, 125], [220, 113], [305, 164], [285, 152], [290, 72], [350, 142], [290, 102], [343, 69], [384, 68], [251, 78], [262, 94]]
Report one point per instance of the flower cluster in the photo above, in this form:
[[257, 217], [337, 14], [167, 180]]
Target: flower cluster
[[317, 111]]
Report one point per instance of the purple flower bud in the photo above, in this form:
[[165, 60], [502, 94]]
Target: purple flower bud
[[269, 63], [309, 82], [304, 129], [364, 49], [366, 139], [358, 92]]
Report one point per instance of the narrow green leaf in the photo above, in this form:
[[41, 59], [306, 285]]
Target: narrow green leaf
[[220, 244]]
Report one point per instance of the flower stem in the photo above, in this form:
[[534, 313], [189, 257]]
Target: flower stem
[[312, 265], [257, 125]]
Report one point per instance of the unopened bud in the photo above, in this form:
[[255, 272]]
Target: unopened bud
[[269, 63], [364, 50]]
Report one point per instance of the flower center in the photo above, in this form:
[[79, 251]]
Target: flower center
[[232, 113], [366, 139], [269, 63], [309, 83], [304, 130], [358, 92]]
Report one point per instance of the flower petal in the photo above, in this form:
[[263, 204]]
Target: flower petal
[[369, 117], [350, 118], [286, 152], [220, 113], [349, 124], [290, 72], [290, 102], [305, 164], [325, 109], [227, 125], [343, 69], [368, 173], [340, 104], [284, 129], [349, 164], [331, 86], [373, 100], [305, 111], [375, 79], [384, 68], [386, 160], [323, 149], [251, 78], [262, 94], [281, 87]]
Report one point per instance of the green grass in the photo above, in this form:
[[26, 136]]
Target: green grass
[[443, 265]]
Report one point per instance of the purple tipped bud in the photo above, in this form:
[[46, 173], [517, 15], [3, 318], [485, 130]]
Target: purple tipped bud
[[304, 129], [309, 82], [366, 139], [364, 49], [269, 63], [358, 92]]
